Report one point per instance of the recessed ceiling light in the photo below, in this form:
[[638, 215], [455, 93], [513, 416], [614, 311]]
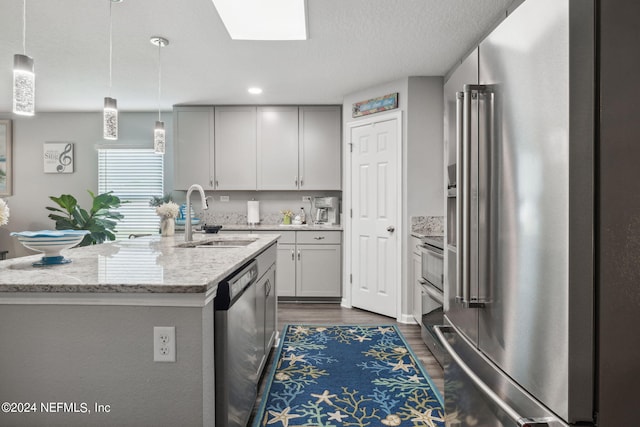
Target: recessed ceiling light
[[254, 90], [264, 20]]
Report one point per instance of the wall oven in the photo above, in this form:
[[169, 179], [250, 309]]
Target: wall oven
[[432, 285]]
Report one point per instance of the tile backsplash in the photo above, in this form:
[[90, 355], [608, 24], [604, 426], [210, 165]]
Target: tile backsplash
[[428, 225], [230, 208]]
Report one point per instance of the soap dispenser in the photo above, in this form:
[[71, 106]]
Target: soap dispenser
[[303, 216]]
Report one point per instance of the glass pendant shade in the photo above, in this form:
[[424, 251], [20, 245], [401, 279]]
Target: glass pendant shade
[[24, 85], [159, 138], [110, 119]]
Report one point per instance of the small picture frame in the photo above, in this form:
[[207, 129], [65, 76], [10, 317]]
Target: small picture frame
[[58, 157], [6, 161]]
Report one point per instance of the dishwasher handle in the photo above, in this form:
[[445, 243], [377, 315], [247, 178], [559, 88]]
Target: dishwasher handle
[[234, 285]]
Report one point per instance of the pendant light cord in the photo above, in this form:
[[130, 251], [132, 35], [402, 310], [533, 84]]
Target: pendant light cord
[[159, 78], [24, 27], [110, 45]]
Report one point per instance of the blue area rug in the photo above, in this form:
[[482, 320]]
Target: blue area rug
[[348, 376]]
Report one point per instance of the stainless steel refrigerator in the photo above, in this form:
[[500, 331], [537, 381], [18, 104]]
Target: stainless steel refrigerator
[[522, 293]]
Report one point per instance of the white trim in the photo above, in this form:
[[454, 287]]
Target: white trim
[[346, 203], [406, 318], [123, 299]]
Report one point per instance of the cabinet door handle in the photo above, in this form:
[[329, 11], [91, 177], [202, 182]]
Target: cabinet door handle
[[298, 255], [216, 183], [293, 256], [319, 237], [301, 182], [267, 288], [295, 180]]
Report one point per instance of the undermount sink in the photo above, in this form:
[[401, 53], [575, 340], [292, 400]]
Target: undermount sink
[[219, 242]]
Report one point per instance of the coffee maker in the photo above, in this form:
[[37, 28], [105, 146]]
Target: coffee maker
[[327, 211]]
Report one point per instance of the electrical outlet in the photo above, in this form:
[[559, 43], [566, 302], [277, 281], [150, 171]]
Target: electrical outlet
[[164, 343], [224, 198], [306, 198]]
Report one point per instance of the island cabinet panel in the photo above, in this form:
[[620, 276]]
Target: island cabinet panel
[[319, 148], [235, 148], [278, 148], [193, 147], [101, 356]]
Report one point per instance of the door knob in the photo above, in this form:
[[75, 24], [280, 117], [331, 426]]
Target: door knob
[[391, 229]]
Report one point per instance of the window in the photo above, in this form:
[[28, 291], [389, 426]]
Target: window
[[134, 175]]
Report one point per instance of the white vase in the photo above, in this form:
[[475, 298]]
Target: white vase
[[167, 226]]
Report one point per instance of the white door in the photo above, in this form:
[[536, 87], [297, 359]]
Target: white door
[[374, 201]]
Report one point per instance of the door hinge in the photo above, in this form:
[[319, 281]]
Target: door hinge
[[350, 278]]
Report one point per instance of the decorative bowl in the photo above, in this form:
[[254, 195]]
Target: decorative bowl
[[50, 242], [182, 217]]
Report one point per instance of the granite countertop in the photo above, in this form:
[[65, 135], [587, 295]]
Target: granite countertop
[[281, 227], [151, 264]]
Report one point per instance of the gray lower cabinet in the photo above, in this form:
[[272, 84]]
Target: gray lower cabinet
[[312, 266], [318, 271], [309, 263], [286, 270], [266, 306], [416, 275]]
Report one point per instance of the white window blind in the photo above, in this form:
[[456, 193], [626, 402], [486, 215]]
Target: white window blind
[[134, 175]]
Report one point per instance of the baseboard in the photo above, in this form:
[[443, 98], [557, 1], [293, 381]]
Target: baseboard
[[406, 318]]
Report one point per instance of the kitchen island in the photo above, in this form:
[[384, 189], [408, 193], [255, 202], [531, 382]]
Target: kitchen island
[[78, 339]]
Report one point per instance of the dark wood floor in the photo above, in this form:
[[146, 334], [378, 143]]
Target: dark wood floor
[[334, 314]]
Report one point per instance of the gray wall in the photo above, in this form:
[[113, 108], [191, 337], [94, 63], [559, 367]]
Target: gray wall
[[32, 187], [104, 354], [421, 101]]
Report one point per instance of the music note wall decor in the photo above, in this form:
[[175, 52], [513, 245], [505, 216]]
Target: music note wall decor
[[58, 157]]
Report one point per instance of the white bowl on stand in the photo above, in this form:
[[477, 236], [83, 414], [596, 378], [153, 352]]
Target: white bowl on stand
[[50, 242]]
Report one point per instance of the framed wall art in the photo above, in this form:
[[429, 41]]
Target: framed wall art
[[375, 105], [6, 160], [58, 157]]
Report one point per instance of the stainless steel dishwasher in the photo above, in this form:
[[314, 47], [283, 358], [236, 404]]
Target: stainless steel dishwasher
[[236, 361]]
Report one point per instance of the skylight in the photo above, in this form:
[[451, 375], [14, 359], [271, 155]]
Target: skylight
[[264, 20]]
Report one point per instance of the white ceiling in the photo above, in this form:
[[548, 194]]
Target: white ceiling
[[352, 45]]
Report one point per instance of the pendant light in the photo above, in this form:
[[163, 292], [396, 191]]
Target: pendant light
[[24, 78], [110, 112], [159, 138]]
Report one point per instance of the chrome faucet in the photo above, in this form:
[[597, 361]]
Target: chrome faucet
[[188, 230]]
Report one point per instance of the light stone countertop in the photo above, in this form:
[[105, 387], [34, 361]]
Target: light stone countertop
[[151, 264], [281, 227]]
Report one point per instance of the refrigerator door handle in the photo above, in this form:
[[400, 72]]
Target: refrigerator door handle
[[459, 167], [485, 389], [468, 300]]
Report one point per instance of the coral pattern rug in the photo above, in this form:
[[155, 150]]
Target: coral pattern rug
[[361, 376]]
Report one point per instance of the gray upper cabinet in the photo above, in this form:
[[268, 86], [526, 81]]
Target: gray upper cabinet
[[277, 148], [319, 148], [258, 148], [193, 147], [235, 148]]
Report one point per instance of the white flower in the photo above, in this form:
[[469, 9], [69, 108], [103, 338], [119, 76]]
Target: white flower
[[4, 212], [168, 210]]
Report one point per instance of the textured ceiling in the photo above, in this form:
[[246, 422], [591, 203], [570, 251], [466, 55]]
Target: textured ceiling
[[353, 44]]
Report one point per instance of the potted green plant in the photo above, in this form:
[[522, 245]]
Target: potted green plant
[[160, 200], [99, 220]]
